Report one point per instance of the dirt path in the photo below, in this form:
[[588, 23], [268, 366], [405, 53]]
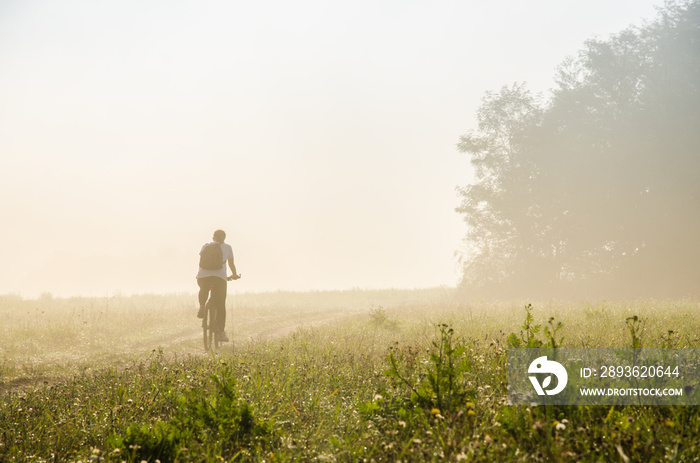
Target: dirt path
[[53, 367], [242, 331]]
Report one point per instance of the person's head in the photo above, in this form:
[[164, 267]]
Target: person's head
[[220, 236]]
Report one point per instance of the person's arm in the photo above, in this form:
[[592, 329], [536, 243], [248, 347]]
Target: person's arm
[[232, 266]]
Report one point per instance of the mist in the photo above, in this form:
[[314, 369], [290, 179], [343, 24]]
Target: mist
[[413, 192], [593, 192], [320, 137]]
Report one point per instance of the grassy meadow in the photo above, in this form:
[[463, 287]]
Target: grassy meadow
[[327, 376]]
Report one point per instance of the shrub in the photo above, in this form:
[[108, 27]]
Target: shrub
[[528, 336], [221, 422]]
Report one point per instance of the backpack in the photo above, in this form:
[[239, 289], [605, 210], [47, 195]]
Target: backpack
[[211, 257]]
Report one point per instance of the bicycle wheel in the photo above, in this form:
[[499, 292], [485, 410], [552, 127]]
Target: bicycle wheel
[[208, 335], [205, 330]]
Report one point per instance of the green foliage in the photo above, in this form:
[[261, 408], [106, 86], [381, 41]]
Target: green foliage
[[670, 340], [429, 398], [442, 385], [379, 318], [328, 393], [550, 333], [448, 365], [595, 190], [223, 414], [635, 325], [160, 441], [222, 420], [528, 335]]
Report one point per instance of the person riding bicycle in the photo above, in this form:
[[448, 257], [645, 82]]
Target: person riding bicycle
[[211, 278]]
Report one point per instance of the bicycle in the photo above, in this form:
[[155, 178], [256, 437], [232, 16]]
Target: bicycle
[[209, 336]]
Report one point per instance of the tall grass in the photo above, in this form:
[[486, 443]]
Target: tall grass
[[329, 392]]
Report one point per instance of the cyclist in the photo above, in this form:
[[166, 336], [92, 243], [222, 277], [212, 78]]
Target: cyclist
[[212, 282]]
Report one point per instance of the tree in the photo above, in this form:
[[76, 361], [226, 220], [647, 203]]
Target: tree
[[599, 187], [498, 209]]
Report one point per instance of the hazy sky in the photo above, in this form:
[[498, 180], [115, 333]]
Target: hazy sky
[[320, 135]]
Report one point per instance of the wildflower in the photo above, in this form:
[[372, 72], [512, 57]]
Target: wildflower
[[471, 413], [470, 405], [670, 423], [560, 426], [435, 411]]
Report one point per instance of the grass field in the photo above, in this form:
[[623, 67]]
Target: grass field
[[328, 376]]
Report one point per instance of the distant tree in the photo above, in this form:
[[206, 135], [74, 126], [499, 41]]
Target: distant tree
[[598, 189], [497, 209]]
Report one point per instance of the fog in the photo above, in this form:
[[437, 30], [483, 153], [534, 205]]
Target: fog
[[592, 192], [321, 136]]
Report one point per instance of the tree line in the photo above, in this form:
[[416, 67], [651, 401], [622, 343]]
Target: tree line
[[595, 190]]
